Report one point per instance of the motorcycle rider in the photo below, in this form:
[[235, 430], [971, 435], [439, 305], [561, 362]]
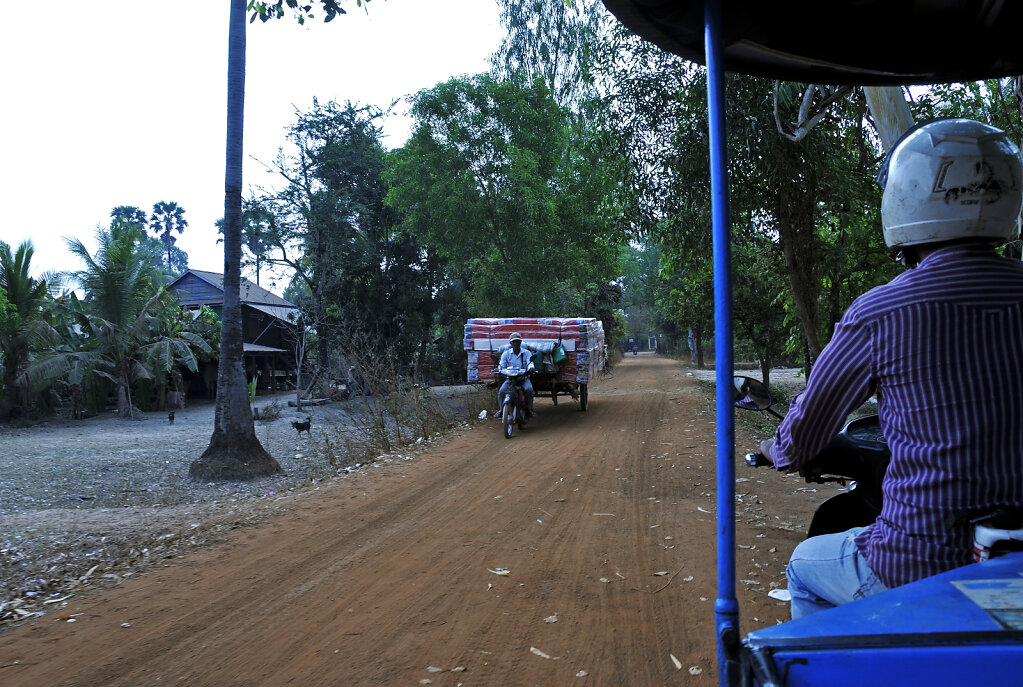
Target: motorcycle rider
[[523, 359], [942, 346]]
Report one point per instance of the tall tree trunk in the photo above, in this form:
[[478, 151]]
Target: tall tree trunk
[[794, 210], [234, 452], [322, 341], [8, 401], [765, 370], [891, 112], [124, 410]]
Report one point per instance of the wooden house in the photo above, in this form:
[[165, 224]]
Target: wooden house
[[267, 323]]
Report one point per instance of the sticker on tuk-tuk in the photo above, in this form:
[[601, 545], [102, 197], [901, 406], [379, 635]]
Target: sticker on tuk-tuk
[[1002, 599]]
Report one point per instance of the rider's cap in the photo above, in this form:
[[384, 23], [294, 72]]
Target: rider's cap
[[515, 337]]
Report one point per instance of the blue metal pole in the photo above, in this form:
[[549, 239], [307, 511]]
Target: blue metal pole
[[726, 608]]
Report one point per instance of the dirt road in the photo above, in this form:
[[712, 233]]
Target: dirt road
[[603, 519]]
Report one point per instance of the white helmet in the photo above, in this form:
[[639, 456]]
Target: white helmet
[[951, 179]]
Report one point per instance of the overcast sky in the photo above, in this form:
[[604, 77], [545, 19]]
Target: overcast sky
[[123, 102]]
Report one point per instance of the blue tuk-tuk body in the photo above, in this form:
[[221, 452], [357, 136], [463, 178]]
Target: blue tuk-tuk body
[[964, 626], [961, 627]]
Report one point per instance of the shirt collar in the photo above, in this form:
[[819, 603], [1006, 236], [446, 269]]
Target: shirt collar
[[958, 251]]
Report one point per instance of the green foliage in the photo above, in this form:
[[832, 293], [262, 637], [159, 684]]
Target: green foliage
[[805, 220], [126, 329], [995, 101], [121, 277], [354, 270], [169, 219], [265, 11], [258, 224], [7, 311], [501, 183], [205, 324], [252, 387], [552, 42], [24, 332]]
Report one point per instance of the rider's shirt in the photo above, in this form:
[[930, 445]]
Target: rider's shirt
[[942, 345], [523, 359]]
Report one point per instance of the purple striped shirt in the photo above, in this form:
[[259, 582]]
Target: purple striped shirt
[[942, 345]]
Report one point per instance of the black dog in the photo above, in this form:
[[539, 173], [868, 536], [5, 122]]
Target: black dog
[[170, 417], [303, 426]]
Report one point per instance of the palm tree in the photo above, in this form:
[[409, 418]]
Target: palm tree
[[234, 452], [120, 316], [22, 329], [257, 225], [129, 214], [167, 219]]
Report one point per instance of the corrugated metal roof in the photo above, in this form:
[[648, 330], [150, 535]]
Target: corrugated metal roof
[[250, 293], [289, 314], [256, 348]]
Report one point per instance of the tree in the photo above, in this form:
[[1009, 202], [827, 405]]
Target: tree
[[496, 181], [120, 316], [257, 226], [129, 214], [234, 451], [552, 41], [169, 219], [23, 331], [811, 198], [275, 10], [330, 225], [174, 260]]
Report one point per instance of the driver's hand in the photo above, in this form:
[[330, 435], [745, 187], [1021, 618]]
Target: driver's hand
[[765, 449]]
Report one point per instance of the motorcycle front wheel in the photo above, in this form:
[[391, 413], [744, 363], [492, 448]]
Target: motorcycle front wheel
[[508, 418]]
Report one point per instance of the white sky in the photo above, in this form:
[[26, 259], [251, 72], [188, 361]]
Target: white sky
[[123, 102]]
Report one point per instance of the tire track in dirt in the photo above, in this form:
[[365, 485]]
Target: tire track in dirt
[[384, 574]]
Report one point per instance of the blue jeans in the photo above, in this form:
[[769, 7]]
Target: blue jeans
[[828, 571], [527, 387]]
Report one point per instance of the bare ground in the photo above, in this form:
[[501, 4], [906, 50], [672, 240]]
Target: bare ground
[[582, 549], [86, 503]]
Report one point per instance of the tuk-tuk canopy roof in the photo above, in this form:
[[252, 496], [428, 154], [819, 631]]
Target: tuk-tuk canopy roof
[[855, 42]]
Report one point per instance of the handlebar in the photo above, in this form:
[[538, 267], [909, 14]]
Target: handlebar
[[758, 460]]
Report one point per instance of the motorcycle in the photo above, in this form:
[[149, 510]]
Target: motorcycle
[[858, 456], [513, 400]]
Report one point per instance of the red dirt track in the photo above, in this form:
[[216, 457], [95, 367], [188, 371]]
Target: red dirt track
[[384, 575]]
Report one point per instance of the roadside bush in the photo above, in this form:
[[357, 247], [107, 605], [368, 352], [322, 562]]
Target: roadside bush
[[269, 412], [394, 410]]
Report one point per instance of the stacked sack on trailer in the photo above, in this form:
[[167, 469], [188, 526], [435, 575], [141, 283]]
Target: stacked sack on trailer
[[581, 338]]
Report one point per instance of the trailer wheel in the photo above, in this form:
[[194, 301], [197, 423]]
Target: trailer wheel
[[584, 396]]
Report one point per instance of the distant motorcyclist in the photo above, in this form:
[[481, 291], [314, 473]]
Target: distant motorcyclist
[[938, 345], [517, 357]]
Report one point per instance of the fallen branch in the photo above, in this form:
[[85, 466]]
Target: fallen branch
[[654, 591]]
